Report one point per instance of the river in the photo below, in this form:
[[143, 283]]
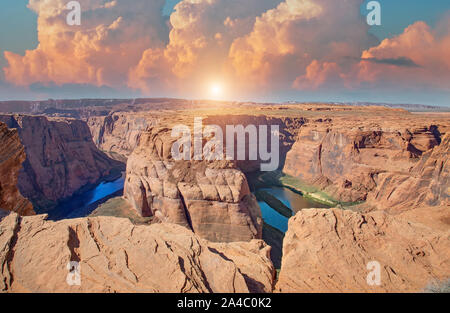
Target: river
[[292, 200], [84, 204]]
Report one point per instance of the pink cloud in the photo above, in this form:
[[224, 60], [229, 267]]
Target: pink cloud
[[202, 32], [425, 56], [289, 41], [111, 39], [415, 59], [252, 46], [320, 74]]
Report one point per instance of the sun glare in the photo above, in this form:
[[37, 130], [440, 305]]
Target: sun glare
[[216, 90]]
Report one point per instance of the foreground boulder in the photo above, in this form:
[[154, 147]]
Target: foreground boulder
[[328, 251], [116, 256], [12, 154]]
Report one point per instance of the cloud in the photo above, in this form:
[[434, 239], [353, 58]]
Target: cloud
[[401, 61], [111, 39], [252, 44], [415, 60], [289, 41], [419, 57], [202, 32], [320, 74], [252, 47]]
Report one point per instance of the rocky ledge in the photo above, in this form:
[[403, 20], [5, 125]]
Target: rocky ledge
[[329, 250], [116, 256]]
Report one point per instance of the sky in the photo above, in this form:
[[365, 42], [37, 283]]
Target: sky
[[246, 50]]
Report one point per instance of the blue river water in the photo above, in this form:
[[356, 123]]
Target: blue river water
[[83, 204], [292, 200]]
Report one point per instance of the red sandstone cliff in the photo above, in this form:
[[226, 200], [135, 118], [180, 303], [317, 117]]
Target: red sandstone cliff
[[350, 159], [404, 175], [426, 184], [61, 158], [118, 133], [12, 155], [329, 250]]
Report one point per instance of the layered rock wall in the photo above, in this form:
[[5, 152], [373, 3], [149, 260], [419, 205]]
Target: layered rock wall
[[426, 184], [287, 131], [118, 133], [12, 155], [350, 160], [211, 198], [61, 158]]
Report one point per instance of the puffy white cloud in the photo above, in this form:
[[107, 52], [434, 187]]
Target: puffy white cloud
[[111, 39], [296, 36], [202, 32]]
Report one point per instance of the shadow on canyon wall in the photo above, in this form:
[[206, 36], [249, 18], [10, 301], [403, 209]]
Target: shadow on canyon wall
[[61, 159]]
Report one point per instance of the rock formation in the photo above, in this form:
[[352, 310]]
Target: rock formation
[[116, 256], [288, 128], [426, 184], [211, 198], [349, 159], [61, 158], [118, 133], [12, 154], [328, 251], [400, 166]]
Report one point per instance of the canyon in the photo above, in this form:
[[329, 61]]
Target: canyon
[[350, 161], [60, 159], [384, 173]]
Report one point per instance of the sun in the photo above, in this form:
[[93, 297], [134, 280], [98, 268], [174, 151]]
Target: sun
[[216, 90]]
